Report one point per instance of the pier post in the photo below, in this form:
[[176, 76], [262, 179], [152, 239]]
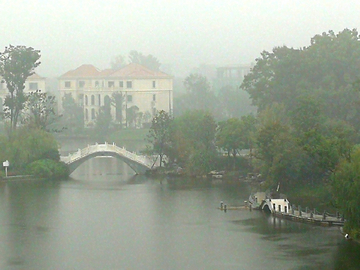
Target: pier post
[[306, 210], [324, 215], [299, 211], [225, 208], [311, 215]]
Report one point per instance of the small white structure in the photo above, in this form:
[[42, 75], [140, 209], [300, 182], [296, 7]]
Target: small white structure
[[278, 205], [6, 164]]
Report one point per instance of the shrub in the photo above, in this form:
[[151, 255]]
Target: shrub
[[47, 168], [51, 154]]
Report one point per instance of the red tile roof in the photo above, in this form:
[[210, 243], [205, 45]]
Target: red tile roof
[[106, 72], [35, 76], [137, 70], [82, 71], [129, 71]]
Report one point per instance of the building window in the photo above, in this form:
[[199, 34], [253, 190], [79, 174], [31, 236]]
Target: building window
[[129, 84], [111, 84], [107, 102], [33, 86], [67, 84], [154, 84], [129, 98], [81, 100], [81, 84], [92, 100], [121, 84], [92, 113], [154, 97], [86, 115], [97, 84], [86, 100]]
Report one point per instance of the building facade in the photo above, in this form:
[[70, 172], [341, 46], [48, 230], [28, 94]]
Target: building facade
[[33, 83], [131, 89]]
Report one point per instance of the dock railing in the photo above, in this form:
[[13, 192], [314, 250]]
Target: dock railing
[[312, 215]]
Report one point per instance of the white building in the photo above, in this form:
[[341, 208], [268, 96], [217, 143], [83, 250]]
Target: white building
[[279, 205], [145, 90], [33, 83]]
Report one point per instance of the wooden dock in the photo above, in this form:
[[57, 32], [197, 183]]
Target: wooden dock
[[316, 219], [281, 208]]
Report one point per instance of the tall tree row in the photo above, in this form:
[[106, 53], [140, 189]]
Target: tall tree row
[[309, 116]]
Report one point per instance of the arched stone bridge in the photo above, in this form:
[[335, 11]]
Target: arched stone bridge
[[140, 164]]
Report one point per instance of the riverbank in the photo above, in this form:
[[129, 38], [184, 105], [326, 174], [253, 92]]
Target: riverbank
[[19, 178]]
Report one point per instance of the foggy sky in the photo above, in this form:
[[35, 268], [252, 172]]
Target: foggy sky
[[181, 33]]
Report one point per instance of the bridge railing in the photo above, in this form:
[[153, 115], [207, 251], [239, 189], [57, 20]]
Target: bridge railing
[[144, 160]]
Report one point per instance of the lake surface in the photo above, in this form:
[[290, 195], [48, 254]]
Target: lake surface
[[105, 218]]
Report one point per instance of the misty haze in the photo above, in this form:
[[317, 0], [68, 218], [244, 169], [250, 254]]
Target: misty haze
[[180, 135]]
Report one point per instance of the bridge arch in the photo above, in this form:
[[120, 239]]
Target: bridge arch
[[140, 164]]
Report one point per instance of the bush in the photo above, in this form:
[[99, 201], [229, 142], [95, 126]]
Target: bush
[[52, 154], [26, 145], [47, 168]]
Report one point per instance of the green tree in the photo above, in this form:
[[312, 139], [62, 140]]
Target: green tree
[[235, 102], [197, 84], [159, 134], [134, 56], [17, 63], [229, 137], [118, 62], [41, 109], [27, 145], [132, 115], [198, 96], [306, 114], [275, 77], [346, 186], [148, 61], [103, 119], [249, 123], [193, 141], [270, 141], [327, 70], [118, 101], [73, 115]]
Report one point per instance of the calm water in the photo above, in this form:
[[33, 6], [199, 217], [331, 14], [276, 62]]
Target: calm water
[[103, 218]]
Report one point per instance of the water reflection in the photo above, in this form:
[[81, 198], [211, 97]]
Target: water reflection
[[104, 217], [347, 255]]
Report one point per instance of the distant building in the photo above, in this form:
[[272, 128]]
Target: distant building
[[33, 83], [137, 87], [231, 76]]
